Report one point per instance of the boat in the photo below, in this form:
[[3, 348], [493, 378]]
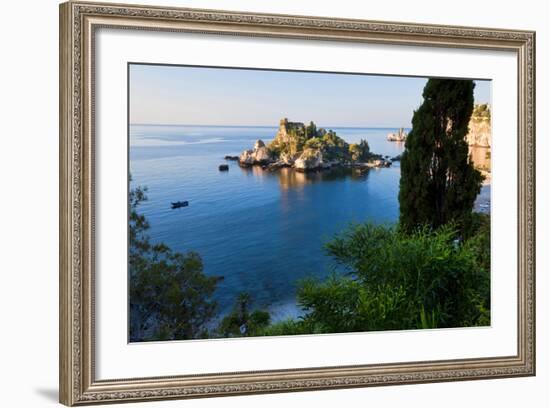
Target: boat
[[179, 204]]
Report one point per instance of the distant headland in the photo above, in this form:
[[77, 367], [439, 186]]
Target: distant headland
[[479, 127], [308, 148]]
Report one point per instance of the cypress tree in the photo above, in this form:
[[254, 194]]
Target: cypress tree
[[438, 182]]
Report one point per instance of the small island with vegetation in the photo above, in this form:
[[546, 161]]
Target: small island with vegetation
[[308, 148]]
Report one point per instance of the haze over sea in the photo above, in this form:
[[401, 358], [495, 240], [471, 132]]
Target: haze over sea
[[262, 231]]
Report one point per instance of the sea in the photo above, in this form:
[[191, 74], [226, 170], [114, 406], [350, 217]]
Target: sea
[[262, 231]]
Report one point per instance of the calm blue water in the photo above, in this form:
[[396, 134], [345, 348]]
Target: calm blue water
[[261, 230]]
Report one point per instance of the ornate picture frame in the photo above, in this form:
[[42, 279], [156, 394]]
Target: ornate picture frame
[[79, 22]]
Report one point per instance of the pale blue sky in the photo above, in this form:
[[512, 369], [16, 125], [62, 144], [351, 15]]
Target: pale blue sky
[[218, 96]]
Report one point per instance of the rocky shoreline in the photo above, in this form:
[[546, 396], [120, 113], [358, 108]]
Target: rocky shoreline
[[308, 160], [306, 148]]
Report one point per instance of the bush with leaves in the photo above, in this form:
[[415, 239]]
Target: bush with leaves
[[397, 281], [360, 151]]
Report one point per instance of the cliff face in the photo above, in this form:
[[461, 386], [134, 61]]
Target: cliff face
[[259, 155], [309, 159], [291, 137], [480, 127], [284, 135]]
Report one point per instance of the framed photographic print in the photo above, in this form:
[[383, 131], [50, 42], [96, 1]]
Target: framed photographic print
[[256, 203]]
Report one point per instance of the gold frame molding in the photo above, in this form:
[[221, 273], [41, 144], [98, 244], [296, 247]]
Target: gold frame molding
[[78, 22]]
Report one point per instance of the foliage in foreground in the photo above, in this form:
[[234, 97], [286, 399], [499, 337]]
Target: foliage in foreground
[[400, 281], [391, 281], [170, 296]]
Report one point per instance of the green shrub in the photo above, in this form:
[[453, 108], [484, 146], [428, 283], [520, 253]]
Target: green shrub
[[397, 281]]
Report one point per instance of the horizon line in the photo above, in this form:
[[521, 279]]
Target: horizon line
[[265, 126]]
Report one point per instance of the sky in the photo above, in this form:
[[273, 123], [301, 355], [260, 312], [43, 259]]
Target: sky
[[173, 95]]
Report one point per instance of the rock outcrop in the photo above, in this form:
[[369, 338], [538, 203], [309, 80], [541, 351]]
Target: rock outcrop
[[259, 155], [400, 136], [287, 159], [310, 159], [286, 135]]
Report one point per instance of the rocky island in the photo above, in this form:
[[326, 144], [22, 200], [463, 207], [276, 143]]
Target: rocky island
[[308, 148]]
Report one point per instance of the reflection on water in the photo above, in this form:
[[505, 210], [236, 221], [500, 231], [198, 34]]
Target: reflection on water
[[289, 178]]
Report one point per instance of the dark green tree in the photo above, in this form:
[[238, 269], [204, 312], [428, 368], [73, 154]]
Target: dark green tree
[[170, 296], [359, 151], [439, 183], [311, 130]]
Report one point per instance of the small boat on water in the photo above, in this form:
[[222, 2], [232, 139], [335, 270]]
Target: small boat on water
[[179, 204]]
